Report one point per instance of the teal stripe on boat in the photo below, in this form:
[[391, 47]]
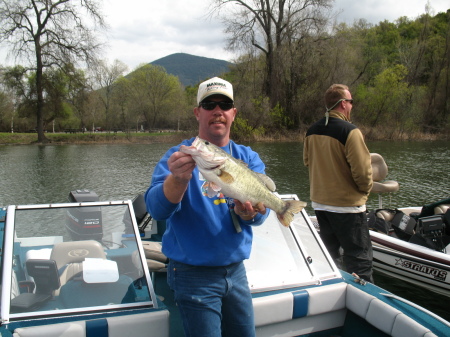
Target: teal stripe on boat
[[97, 328], [301, 301]]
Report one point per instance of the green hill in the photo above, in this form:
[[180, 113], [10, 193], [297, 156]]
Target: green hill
[[192, 69]]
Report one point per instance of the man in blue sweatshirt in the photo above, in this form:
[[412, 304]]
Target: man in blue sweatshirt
[[206, 247]]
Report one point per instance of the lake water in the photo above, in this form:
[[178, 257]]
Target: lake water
[[33, 174]]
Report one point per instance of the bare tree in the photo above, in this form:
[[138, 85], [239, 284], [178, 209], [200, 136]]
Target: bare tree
[[50, 33], [268, 25]]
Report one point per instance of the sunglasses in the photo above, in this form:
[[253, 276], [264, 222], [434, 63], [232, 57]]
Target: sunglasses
[[208, 105], [349, 100]]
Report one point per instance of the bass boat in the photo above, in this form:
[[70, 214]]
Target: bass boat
[[410, 243], [95, 268]]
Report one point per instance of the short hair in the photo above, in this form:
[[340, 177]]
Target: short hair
[[334, 93]]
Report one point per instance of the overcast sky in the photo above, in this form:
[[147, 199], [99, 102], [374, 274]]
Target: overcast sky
[[143, 31]]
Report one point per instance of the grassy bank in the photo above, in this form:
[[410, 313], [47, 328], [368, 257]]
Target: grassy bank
[[128, 138], [93, 138]]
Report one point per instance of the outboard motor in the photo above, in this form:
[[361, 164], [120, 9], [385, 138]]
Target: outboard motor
[[84, 223]]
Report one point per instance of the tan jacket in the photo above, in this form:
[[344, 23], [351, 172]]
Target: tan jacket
[[340, 170]]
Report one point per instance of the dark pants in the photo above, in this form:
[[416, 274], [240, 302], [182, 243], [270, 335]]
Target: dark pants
[[351, 232]]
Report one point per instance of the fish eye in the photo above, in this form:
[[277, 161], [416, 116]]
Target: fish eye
[[206, 143]]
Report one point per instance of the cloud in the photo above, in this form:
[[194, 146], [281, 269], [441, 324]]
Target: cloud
[[375, 11], [143, 31], [148, 30]]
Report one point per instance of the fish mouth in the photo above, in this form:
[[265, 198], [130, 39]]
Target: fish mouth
[[211, 164], [204, 157], [196, 141], [208, 166]]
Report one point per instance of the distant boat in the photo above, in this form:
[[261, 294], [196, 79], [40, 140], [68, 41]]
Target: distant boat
[[423, 266], [414, 251]]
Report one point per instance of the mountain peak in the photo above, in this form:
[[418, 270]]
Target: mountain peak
[[192, 69]]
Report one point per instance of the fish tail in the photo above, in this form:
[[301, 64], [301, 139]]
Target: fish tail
[[291, 207]]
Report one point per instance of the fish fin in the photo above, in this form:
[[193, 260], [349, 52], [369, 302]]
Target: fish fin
[[292, 207], [285, 219], [266, 181], [226, 177]]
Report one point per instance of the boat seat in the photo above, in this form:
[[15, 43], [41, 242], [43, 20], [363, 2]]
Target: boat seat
[[401, 225], [46, 280], [156, 260], [279, 314], [76, 251], [385, 215], [380, 315], [379, 174], [70, 255], [97, 294], [327, 307], [441, 209], [151, 324], [140, 212]]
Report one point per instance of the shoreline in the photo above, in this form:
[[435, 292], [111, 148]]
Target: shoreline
[[93, 138], [177, 137]]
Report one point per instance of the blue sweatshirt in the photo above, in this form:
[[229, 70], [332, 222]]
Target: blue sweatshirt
[[200, 230]]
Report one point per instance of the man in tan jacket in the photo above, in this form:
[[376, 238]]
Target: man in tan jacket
[[340, 176]]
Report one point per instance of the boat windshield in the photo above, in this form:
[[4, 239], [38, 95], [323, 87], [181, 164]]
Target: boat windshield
[[72, 257], [286, 257]]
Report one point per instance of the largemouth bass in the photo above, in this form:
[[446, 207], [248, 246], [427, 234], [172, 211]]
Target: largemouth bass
[[234, 179]]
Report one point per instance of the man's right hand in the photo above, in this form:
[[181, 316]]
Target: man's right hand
[[181, 166]]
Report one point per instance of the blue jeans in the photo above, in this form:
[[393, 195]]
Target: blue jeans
[[213, 301]]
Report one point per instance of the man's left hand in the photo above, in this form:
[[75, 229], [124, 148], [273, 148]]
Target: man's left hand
[[246, 211]]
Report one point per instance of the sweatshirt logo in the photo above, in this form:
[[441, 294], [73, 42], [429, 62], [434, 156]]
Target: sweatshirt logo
[[209, 190]]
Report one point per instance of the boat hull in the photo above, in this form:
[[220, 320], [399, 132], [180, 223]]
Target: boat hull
[[409, 262], [412, 263]]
